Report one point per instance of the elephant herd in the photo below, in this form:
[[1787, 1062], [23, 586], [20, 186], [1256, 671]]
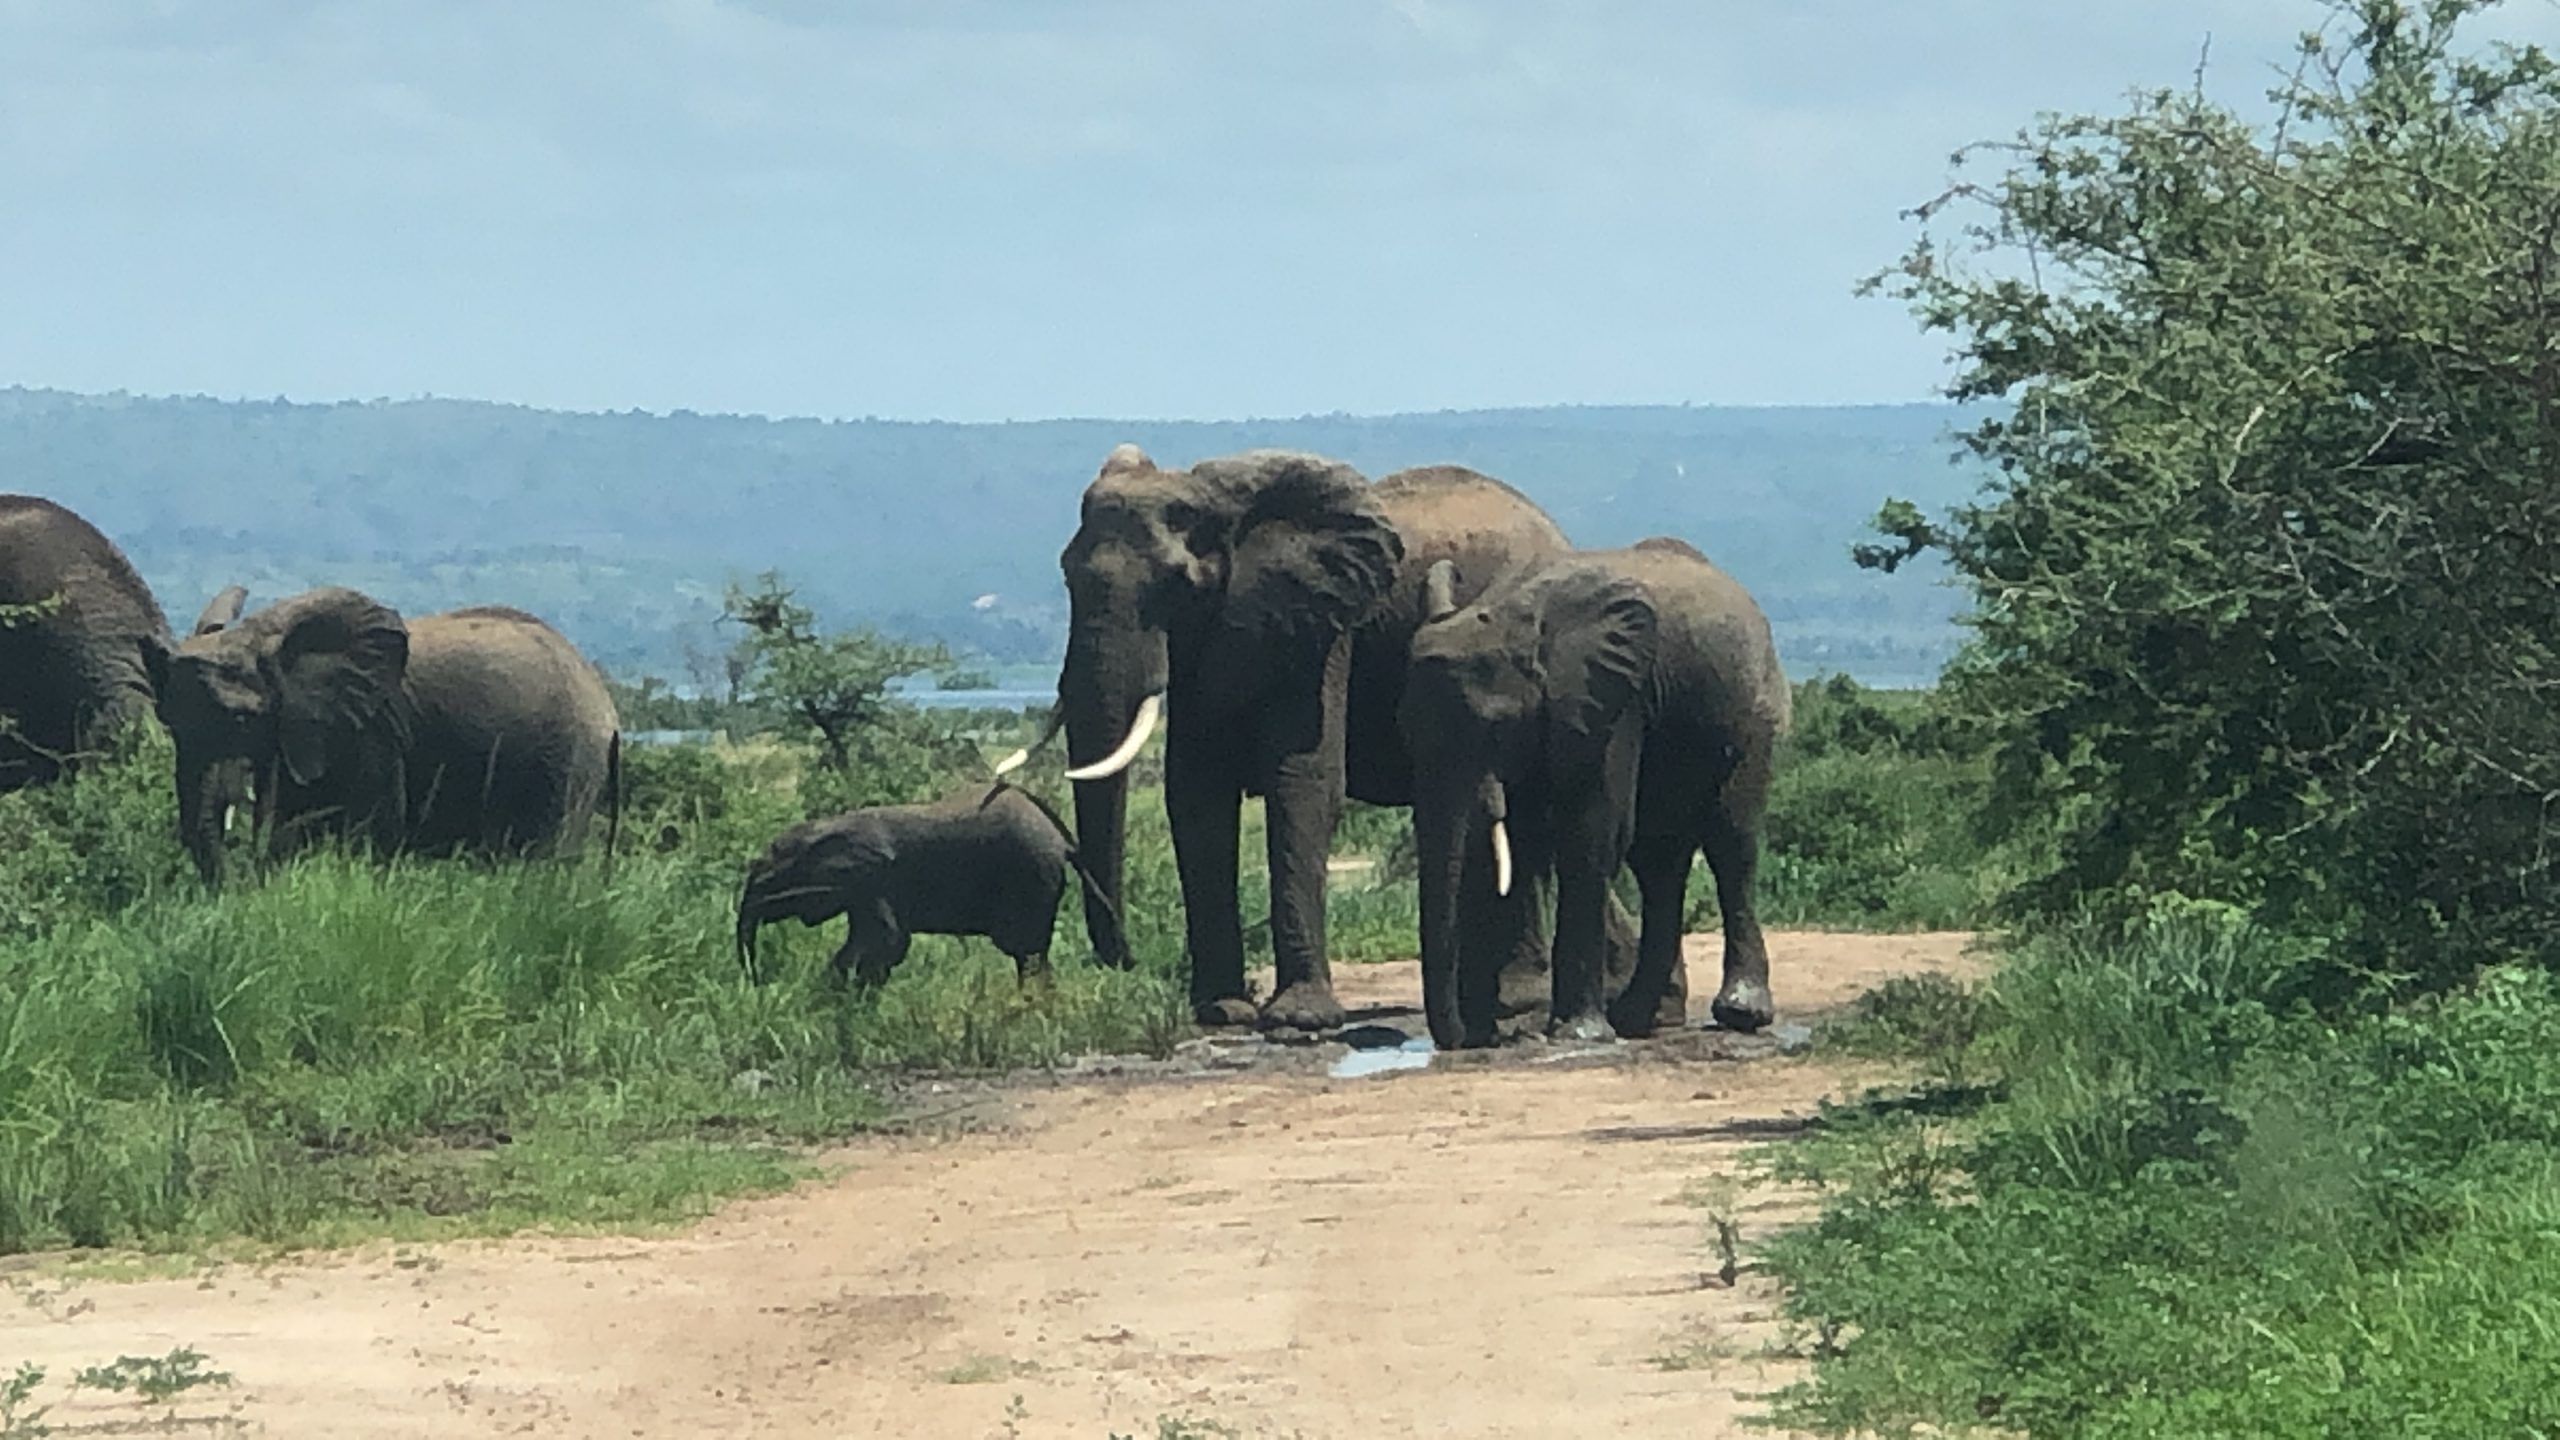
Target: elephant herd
[[1300, 633], [327, 715], [1429, 640]]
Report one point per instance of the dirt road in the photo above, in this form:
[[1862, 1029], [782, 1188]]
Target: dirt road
[[1489, 1250]]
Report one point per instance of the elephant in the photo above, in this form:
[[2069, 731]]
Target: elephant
[[75, 618], [992, 864], [480, 729], [1604, 708], [1262, 604]]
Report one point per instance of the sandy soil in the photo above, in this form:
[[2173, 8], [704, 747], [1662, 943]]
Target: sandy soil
[[1504, 1249]]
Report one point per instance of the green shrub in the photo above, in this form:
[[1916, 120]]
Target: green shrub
[[2190, 1211]]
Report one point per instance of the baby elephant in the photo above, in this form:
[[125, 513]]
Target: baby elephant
[[991, 862]]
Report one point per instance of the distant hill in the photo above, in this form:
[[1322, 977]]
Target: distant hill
[[622, 528]]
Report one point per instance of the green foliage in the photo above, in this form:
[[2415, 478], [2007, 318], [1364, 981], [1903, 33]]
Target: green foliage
[[2193, 1212], [155, 1379], [2262, 623], [85, 851], [1875, 819], [340, 1046], [2262, 584], [20, 1417], [832, 691]]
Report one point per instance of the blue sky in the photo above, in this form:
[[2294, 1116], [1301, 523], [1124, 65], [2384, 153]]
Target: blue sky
[[985, 209]]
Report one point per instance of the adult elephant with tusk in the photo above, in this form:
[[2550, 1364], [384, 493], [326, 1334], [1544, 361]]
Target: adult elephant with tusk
[[1616, 707], [1260, 606]]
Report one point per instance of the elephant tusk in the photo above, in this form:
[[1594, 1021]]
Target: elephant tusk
[[1501, 859], [1013, 762], [1118, 760]]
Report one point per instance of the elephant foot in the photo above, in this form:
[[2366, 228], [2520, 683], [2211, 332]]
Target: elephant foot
[[1744, 1006], [1306, 1005], [1591, 1027], [1234, 1012], [1636, 1024]]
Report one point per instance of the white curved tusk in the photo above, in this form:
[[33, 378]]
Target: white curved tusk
[[1013, 762], [1118, 760], [1501, 859]]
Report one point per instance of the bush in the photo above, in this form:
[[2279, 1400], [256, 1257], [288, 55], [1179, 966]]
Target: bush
[[2262, 583], [2192, 1213]]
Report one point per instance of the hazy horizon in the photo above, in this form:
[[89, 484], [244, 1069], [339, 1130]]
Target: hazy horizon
[[989, 210]]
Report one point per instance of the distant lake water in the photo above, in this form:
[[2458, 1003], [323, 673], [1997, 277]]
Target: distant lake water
[[929, 698]]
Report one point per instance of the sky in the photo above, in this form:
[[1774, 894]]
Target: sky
[[1018, 209]]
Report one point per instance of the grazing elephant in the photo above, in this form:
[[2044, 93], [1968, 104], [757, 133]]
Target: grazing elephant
[[1263, 602], [478, 729], [74, 620], [990, 863], [1609, 707]]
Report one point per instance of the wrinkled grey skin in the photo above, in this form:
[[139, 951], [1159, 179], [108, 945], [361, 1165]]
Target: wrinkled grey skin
[[991, 862], [481, 729], [1610, 707], [72, 671], [1269, 596]]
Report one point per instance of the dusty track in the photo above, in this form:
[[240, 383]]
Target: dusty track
[[1485, 1250]]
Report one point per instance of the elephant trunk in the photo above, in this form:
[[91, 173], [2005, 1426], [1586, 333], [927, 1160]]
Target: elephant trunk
[[1108, 708], [204, 800], [1463, 842]]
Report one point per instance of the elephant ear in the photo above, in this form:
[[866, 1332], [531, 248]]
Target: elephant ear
[[339, 667], [220, 613], [1313, 554], [1596, 644]]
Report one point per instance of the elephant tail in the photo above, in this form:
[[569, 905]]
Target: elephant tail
[[612, 801], [1114, 940]]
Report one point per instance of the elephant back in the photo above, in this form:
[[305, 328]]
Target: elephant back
[[1481, 526], [515, 730], [64, 671]]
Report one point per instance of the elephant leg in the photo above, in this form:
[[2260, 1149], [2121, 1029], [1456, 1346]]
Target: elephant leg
[[874, 943], [1742, 1002], [1201, 800], [1662, 873], [1576, 1012], [1301, 808], [1594, 827], [1031, 970]]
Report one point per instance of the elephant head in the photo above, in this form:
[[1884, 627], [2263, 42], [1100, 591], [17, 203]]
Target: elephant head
[[304, 690], [1263, 557], [1534, 675], [806, 874]]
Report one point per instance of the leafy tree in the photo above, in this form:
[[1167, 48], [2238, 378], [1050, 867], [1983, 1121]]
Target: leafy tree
[[833, 691], [2267, 577]]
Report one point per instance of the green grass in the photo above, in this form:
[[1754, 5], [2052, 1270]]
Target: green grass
[[2164, 1205], [344, 1049]]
